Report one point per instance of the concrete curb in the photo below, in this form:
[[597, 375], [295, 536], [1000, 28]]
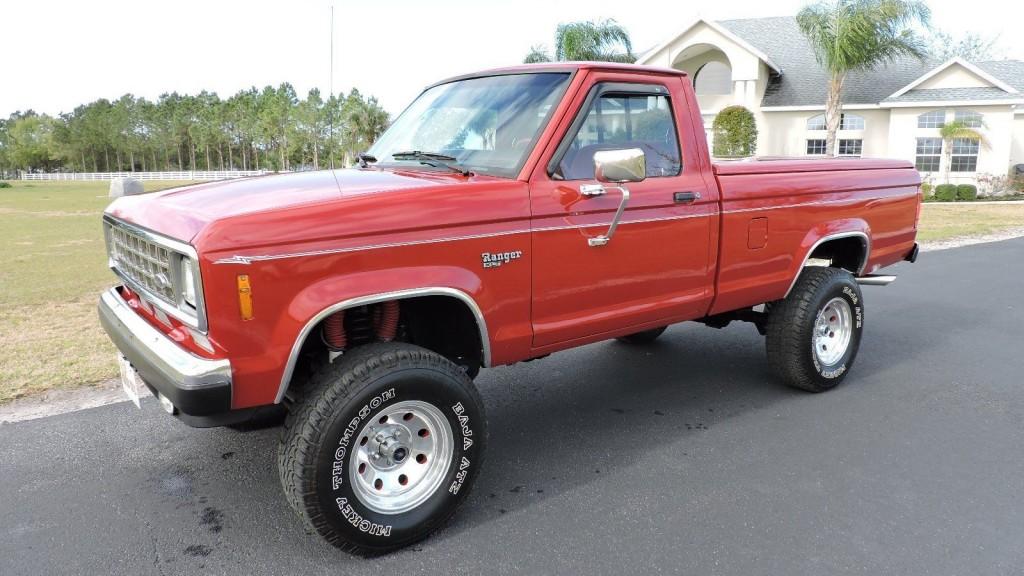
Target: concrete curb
[[57, 402], [971, 240]]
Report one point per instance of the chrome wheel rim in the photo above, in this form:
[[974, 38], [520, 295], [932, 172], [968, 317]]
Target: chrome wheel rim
[[833, 330], [401, 458]]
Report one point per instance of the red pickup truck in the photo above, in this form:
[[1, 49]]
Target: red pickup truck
[[503, 216]]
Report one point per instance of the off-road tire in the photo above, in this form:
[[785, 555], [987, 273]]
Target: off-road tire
[[645, 337], [352, 391], [791, 323]]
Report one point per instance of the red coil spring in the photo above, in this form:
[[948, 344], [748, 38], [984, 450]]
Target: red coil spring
[[385, 321], [334, 331]]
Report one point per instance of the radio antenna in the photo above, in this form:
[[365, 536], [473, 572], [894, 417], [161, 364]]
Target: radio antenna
[[331, 88]]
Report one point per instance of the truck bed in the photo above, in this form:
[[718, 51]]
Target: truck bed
[[775, 211]]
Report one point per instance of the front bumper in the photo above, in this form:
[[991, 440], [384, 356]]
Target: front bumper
[[196, 386]]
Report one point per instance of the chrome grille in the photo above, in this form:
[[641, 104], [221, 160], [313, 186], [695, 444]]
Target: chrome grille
[[144, 262]]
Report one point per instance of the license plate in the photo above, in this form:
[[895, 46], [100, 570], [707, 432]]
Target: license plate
[[130, 381]]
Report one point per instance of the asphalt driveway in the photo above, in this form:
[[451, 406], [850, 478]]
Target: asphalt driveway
[[683, 457]]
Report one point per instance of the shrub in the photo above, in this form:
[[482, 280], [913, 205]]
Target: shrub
[[945, 192], [735, 133], [4, 184], [967, 192], [927, 189]]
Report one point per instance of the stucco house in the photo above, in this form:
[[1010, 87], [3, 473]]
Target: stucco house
[[895, 111]]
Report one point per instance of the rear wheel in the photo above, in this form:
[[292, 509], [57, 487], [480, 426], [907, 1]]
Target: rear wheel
[[645, 337], [814, 334], [383, 446]]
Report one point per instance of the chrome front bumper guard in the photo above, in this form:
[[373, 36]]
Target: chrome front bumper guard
[[196, 386]]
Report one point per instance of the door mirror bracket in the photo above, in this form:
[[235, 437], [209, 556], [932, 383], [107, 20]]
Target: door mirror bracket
[[615, 167]]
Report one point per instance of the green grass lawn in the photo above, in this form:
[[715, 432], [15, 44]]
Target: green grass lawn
[[944, 221], [53, 268]]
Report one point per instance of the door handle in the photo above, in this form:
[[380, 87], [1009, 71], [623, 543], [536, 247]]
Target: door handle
[[594, 190], [685, 197]]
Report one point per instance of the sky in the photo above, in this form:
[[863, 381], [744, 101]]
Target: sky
[[57, 54]]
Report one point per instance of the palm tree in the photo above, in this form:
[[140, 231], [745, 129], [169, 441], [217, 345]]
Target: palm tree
[[852, 35], [599, 40], [957, 130], [537, 54]]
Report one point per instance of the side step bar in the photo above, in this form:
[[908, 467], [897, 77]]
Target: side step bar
[[876, 280]]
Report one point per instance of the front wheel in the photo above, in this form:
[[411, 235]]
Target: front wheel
[[383, 447], [814, 334]]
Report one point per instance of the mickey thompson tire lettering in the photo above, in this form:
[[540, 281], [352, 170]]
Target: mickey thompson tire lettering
[[338, 468], [322, 435], [791, 324], [359, 522]]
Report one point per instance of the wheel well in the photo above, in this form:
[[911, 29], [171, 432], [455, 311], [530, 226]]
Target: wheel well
[[441, 323], [445, 325], [849, 253]]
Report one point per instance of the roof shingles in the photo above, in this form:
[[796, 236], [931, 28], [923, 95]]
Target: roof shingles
[[803, 81], [953, 95]]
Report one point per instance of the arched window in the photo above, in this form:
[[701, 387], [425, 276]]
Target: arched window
[[846, 122], [970, 118], [933, 119], [713, 78]]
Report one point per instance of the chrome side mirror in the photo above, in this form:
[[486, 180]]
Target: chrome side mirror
[[617, 166]]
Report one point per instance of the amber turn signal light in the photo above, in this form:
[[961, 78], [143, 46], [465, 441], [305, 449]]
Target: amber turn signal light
[[244, 297]]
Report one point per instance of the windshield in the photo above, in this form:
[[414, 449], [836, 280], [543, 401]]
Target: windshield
[[487, 124]]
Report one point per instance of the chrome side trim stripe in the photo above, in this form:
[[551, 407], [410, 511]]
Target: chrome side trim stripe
[[784, 206], [239, 259]]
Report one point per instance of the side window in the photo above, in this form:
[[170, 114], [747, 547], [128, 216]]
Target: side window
[[616, 121]]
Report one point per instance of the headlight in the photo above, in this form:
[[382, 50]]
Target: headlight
[[188, 280]]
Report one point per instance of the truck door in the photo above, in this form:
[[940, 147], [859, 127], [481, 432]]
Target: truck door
[[656, 267]]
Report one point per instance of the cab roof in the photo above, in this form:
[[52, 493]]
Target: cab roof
[[567, 67]]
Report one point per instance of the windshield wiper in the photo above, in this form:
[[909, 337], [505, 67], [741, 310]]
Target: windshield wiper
[[433, 159], [417, 155]]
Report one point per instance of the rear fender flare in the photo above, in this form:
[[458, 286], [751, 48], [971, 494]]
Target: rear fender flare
[[835, 230]]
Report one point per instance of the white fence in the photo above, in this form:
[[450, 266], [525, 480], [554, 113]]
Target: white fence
[[180, 175]]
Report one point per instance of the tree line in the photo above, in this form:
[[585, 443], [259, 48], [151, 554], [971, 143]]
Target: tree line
[[268, 129]]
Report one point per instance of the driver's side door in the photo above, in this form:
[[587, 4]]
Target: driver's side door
[[656, 267]]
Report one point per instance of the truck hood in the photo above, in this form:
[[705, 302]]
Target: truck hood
[[182, 213]]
